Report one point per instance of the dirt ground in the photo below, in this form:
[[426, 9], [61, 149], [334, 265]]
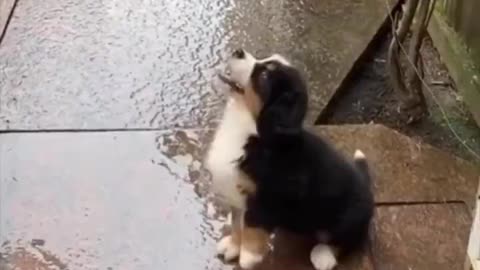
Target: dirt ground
[[368, 97]]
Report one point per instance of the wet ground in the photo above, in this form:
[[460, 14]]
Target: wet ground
[[139, 200], [368, 97], [105, 201], [125, 199], [141, 64]]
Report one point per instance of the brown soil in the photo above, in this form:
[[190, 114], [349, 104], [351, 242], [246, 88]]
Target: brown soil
[[368, 97]]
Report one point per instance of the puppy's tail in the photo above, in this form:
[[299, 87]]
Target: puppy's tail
[[361, 163]]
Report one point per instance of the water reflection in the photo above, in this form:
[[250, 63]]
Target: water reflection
[[93, 201], [110, 64]]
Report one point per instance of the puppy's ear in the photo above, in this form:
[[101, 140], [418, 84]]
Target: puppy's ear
[[284, 115]]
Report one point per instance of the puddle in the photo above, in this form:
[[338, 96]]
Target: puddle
[[114, 64], [106, 201]]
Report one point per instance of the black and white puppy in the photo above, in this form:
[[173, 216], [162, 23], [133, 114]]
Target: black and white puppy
[[276, 174]]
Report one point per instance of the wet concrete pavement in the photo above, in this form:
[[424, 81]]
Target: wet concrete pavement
[[407, 170], [422, 236], [139, 200], [105, 201], [140, 64]]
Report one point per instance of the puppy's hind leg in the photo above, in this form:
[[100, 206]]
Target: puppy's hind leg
[[254, 247], [255, 238], [229, 246]]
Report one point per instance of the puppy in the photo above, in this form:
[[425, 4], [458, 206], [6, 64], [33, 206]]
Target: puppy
[[283, 176], [231, 184]]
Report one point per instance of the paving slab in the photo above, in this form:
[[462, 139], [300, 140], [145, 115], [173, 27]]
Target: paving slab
[[116, 200], [104, 201], [293, 252], [140, 64], [422, 237], [404, 169], [139, 200]]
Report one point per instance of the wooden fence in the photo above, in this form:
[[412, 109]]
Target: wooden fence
[[455, 30], [464, 17]]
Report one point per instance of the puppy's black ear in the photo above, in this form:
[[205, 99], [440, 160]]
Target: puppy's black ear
[[284, 114]]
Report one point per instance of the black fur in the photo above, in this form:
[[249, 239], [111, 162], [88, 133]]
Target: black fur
[[303, 184]]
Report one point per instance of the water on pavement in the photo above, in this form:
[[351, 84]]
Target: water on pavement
[[114, 64]]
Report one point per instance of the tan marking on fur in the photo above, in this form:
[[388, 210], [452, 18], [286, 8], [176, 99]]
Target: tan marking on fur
[[255, 240], [251, 100], [245, 185], [242, 190], [236, 233]]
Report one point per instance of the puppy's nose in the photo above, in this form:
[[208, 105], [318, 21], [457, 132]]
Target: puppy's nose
[[239, 53]]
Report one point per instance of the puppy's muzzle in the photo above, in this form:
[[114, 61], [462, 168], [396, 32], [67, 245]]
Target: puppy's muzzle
[[225, 75], [238, 53]]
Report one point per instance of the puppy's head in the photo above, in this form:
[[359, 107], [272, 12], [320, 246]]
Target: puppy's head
[[271, 88]]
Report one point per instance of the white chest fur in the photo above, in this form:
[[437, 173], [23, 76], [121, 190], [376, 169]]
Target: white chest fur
[[236, 126]]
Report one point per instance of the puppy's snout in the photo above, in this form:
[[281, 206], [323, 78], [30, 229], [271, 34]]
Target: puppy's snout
[[239, 53]]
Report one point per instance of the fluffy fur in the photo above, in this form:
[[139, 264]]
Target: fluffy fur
[[300, 182], [236, 126]]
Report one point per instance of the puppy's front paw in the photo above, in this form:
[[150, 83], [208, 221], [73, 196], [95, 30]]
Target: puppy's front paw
[[227, 248], [323, 258], [249, 260]]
